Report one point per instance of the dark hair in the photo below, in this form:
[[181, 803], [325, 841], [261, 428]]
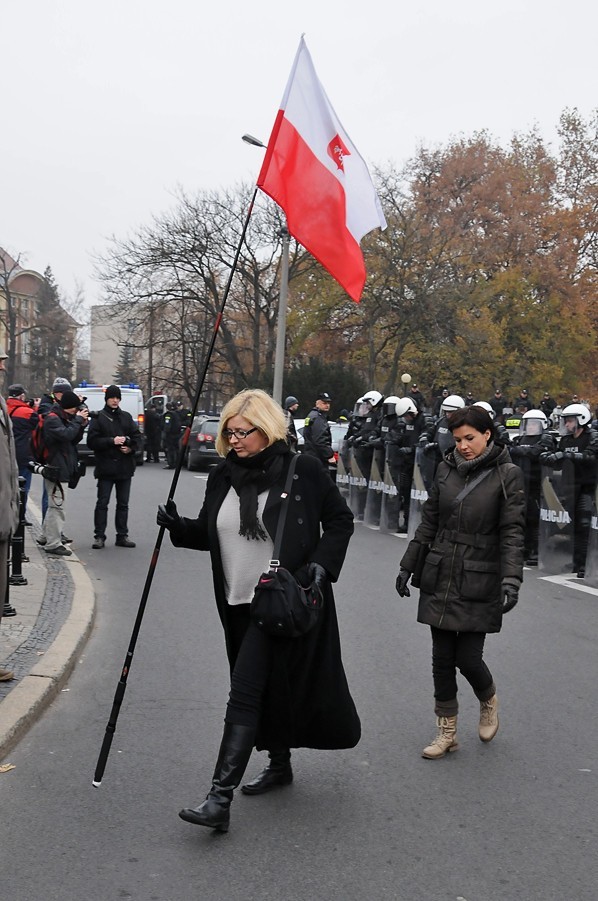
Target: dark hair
[[476, 417]]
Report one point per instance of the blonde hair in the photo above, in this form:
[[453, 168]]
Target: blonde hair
[[260, 410]]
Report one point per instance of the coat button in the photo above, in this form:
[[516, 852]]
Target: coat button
[[297, 497], [300, 521]]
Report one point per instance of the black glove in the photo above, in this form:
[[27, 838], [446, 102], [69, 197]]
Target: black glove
[[511, 597], [573, 455], [551, 459], [431, 447], [401, 583], [405, 451], [317, 576], [168, 516]]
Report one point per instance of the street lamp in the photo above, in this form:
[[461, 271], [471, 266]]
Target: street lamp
[[279, 354], [405, 378]]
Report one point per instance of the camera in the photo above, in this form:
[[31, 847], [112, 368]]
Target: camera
[[51, 473]]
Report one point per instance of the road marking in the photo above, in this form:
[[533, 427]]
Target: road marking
[[570, 582]]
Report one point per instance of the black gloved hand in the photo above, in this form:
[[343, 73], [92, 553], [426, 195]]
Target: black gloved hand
[[401, 583], [510, 599], [431, 447], [405, 451], [573, 455], [168, 516], [317, 576], [551, 459]]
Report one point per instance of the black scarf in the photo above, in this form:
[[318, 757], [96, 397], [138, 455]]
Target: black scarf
[[249, 477]]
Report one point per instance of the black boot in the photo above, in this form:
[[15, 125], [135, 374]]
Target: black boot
[[234, 754], [278, 772]]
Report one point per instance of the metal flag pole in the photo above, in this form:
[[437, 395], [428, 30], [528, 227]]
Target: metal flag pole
[[122, 684]]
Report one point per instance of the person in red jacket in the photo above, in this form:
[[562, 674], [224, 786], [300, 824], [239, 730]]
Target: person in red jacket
[[24, 420]]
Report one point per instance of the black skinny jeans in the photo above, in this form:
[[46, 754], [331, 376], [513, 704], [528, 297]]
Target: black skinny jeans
[[462, 651]]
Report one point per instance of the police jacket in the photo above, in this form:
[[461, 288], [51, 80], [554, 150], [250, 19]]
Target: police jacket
[[111, 462], [62, 433], [171, 426], [24, 420], [317, 436], [474, 544], [583, 452]]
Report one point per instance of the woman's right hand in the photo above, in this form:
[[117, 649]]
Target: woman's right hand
[[168, 516], [401, 583]]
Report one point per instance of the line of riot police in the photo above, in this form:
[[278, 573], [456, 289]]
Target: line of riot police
[[392, 449]]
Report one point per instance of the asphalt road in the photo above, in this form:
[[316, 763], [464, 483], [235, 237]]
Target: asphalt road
[[515, 819]]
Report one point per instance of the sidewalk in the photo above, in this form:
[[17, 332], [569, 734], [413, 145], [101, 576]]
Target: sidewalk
[[41, 644]]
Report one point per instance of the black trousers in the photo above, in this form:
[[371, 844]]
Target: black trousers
[[100, 517], [249, 678], [463, 651]]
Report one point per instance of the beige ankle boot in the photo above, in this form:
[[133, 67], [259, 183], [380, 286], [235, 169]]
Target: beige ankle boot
[[488, 718], [446, 738]]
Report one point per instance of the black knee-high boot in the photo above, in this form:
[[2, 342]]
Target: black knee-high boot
[[234, 754], [278, 772]]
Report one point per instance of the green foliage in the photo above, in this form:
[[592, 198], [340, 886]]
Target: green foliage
[[305, 382]]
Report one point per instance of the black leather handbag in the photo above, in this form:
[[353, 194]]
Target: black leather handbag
[[280, 605]]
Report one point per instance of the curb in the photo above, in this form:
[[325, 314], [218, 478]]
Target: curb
[[34, 693]]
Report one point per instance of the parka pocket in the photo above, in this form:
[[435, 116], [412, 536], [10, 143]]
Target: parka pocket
[[480, 580], [430, 572]]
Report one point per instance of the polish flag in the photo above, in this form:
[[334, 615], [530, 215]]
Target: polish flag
[[314, 172]]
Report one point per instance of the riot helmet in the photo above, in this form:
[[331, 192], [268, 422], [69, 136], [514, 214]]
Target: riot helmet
[[533, 423], [388, 407], [577, 415], [372, 398], [451, 403], [405, 406], [357, 407], [486, 406]]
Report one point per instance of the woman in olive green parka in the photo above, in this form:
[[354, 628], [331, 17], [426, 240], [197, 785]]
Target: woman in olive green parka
[[473, 524]]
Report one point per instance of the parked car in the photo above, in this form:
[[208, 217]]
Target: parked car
[[201, 447]]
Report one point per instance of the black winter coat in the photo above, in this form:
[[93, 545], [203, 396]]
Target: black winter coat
[[307, 701], [473, 546], [62, 433], [111, 462]]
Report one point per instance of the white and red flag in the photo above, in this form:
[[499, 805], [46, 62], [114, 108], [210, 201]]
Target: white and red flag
[[314, 172]]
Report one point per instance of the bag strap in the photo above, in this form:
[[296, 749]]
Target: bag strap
[[469, 488], [275, 561]]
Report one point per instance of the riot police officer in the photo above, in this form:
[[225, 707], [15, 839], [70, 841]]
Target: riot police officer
[[371, 407], [578, 446], [526, 448], [437, 439], [414, 423]]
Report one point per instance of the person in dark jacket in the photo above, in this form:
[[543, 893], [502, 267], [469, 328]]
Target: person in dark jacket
[[171, 434], [114, 439], [46, 402], [285, 692], [533, 440], [316, 434], [9, 500], [62, 430], [153, 433], [24, 420], [473, 524]]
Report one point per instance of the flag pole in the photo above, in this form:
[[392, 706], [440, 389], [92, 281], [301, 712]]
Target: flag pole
[[122, 683]]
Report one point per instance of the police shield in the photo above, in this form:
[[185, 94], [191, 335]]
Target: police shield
[[373, 504], [358, 486], [342, 478], [592, 557], [555, 546], [419, 491], [389, 507]]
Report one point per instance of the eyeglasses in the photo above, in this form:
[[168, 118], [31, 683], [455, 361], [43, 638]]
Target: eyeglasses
[[238, 433]]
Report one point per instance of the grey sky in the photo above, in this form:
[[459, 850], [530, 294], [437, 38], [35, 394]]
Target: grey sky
[[107, 107]]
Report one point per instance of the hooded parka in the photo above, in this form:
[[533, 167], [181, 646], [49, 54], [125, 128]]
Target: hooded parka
[[307, 701], [474, 545]]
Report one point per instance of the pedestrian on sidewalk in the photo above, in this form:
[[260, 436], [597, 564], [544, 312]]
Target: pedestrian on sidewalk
[[473, 527], [9, 499], [62, 430], [24, 420], [285, 692], [114, 438]]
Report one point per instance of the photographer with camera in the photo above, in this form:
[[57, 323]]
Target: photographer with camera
[[114, 438], [62, 430]]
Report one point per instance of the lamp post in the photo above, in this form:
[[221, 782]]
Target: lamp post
[[279, 354], [405, 378]]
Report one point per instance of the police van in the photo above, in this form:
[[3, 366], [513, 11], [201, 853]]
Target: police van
[[132, 402]]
